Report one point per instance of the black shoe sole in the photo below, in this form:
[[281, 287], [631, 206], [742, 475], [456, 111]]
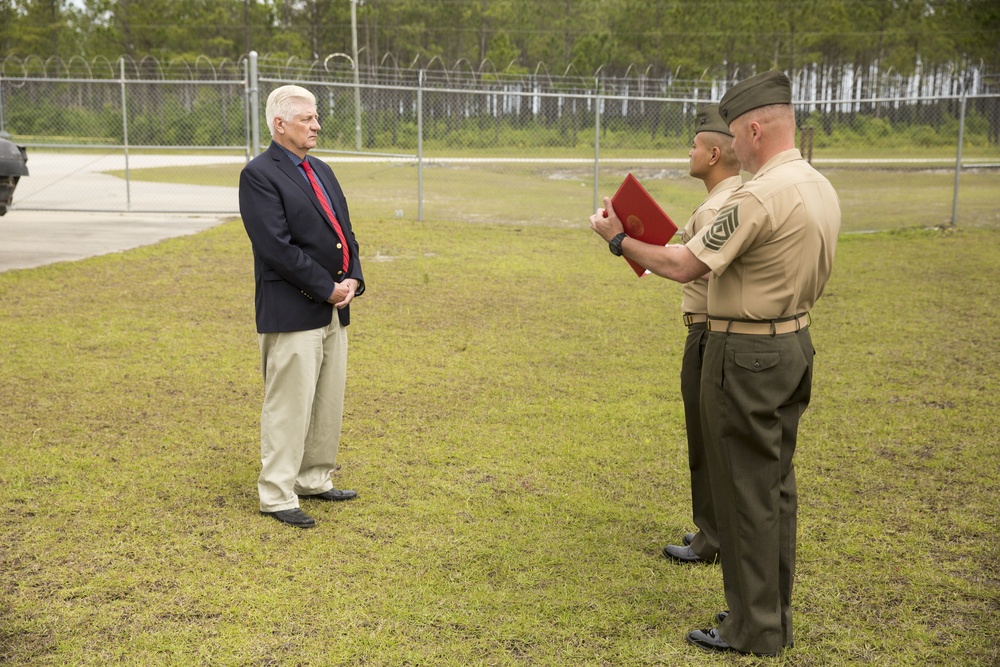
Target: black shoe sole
[[289, 523]]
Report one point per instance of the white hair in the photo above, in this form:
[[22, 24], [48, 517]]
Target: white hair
[[285, 101]]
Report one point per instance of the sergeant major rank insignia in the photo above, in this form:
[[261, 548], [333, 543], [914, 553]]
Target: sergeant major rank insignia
[[722, 229]]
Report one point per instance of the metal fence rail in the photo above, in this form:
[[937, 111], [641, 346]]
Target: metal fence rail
[[507, 152]]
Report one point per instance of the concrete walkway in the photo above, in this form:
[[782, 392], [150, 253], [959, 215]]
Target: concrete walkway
[[36, 238], [66, 209]]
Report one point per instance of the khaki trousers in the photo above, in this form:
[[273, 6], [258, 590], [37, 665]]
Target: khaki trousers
[[304, 376], [706, 540], [754, 390]]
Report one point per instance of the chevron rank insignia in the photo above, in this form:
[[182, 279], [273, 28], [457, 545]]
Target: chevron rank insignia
[[722, 229]]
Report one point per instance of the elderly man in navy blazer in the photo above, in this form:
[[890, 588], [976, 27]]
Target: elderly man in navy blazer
[[306, 270]]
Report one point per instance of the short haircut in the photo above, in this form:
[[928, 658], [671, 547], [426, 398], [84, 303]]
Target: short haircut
[[770, 113], [285, 101], [724, 142]]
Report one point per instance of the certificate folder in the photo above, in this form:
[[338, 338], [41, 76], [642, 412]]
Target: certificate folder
[[642, 217]]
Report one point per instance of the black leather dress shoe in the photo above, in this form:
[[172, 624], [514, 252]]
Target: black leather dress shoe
[[682, 554], [708, 640], [688, 539], [333, 494], [293, 517], [711, 641]]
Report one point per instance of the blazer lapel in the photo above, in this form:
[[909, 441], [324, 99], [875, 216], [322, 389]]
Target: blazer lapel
[[333, 193], [298, 177]]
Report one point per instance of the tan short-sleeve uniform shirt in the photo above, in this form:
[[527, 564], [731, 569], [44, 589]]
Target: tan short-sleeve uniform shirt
[[694, 295], [771, 246]]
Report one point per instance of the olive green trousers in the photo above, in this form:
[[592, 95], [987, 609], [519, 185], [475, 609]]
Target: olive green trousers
[[754, 390], [706, 540]]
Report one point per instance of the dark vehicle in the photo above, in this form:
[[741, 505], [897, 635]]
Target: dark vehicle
[[13, 165]]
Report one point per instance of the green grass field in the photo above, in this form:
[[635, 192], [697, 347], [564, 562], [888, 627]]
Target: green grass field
[[562, 194], [514, 429]]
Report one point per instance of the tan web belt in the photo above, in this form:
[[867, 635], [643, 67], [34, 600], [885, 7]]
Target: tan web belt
[[765, 328], [694, 318]]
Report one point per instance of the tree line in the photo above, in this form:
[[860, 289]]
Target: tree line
[[684, 39]]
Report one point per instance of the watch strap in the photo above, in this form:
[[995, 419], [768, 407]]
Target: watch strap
[[615, 244]]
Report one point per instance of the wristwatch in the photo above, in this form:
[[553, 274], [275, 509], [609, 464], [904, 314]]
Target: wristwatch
[[615, 244]]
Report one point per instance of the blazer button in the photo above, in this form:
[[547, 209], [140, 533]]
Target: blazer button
[[339, 246], [340, 273]]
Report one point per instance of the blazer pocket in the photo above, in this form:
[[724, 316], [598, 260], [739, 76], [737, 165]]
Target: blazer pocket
[[757, 361], [270, 274]]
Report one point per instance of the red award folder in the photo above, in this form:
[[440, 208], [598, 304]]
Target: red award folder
[[642, 217]]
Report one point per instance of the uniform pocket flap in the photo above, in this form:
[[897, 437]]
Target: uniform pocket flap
[[757, 361]]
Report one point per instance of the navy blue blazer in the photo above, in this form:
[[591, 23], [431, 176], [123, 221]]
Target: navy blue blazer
[[296, 259]]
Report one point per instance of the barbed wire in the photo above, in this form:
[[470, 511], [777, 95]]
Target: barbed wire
[[462, 74]]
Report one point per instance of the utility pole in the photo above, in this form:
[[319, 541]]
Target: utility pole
[[357, 67], [246, 25]]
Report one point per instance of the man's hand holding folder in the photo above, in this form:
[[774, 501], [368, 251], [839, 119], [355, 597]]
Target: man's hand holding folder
[[637, 229], [640, 217]]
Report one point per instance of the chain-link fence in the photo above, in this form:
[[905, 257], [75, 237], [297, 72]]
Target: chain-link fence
[[523, 150]]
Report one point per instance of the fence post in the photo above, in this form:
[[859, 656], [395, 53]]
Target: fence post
[[597, 143], [958, 159], [128, 179], [420, 146], [247, 142], [253, 84], [3, 129]]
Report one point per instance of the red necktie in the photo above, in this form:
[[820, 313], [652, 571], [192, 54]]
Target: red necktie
[[311, 175]]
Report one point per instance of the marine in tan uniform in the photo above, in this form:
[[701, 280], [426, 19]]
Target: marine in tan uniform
[[770, 250], [713, 161]]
